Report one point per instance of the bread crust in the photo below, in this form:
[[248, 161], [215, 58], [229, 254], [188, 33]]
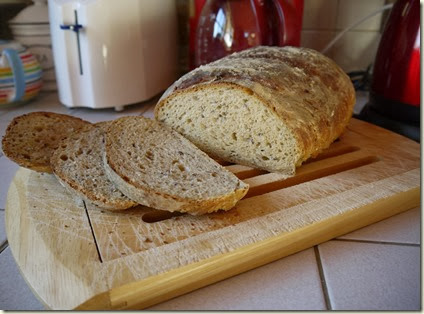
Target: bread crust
[[308, 92], [37, 148]]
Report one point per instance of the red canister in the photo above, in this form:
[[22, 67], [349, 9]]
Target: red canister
[[227, 26]]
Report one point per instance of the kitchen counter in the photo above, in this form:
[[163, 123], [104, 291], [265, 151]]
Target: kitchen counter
[[373, 268]]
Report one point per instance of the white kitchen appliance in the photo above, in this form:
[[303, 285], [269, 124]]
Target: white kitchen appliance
[[112, 53]]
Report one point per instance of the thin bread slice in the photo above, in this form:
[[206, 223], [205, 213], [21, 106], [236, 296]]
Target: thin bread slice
[[30, 139], [78, 165], [157, 167]]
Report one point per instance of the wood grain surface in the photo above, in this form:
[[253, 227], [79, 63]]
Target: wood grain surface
[[73, 254]]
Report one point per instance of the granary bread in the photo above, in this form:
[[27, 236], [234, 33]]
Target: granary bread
[[267, 107], [78, 165], [30, 139], [157, 167]]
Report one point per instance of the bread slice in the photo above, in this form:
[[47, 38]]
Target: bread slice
[[78, 165], [30, 139], [266, 107], [158, 167]]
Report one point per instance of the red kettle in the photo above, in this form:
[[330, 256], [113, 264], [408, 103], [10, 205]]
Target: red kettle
[[395, 86], [394, 98]]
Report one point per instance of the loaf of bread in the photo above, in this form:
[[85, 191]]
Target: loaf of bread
[[78, 165], [266, 107], [31, 139], [157, 167]]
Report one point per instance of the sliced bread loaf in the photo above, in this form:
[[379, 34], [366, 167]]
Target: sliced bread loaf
[[30, 139], [266, 107], [78, 165], [158, 167]]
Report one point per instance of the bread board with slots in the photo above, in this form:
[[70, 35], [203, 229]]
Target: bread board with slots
[[75, 255]]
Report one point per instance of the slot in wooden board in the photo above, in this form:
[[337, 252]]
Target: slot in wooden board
[[142, 256]]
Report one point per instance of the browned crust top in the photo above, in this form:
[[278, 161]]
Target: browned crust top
[[307, 90]]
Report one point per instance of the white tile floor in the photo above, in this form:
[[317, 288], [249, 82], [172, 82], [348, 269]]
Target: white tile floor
[[14, 292], [374, 268], [371, 276], [292, 283], [404, 229]]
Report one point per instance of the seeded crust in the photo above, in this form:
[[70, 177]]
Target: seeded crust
[[267, 107], [78, 165], [30, 139], [163, 170]]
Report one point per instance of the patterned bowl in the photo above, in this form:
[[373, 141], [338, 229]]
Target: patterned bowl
[[20, 74]]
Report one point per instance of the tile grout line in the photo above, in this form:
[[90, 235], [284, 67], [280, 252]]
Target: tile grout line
[[322, 277], [4, 246], [378, 242]]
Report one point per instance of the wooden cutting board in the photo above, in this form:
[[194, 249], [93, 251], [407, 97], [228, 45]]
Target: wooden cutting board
[[74, 255]]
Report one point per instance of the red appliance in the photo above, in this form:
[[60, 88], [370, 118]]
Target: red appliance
[[395, 86], [280, 21], [247, 23]]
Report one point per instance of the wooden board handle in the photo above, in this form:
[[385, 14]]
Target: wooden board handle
[[153, 290]]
